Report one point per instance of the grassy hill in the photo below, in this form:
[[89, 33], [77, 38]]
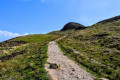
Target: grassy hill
[[96, 48], [110, 20], [99, 47], [23, 58]]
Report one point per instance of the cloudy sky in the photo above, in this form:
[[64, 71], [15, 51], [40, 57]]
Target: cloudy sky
[[19, 17]]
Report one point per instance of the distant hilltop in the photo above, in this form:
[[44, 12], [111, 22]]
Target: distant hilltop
[[110, 19], [73, 25]]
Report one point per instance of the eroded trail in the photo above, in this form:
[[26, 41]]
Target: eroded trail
[[67, 69]]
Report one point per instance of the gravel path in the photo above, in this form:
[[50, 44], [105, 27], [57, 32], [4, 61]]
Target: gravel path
[[67, 69]]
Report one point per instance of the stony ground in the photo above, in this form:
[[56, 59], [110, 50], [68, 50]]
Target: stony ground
[[66, 68]]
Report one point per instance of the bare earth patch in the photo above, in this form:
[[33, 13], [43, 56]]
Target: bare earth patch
[[66, 68]]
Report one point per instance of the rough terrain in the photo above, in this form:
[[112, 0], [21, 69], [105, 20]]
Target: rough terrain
[[67, 69]]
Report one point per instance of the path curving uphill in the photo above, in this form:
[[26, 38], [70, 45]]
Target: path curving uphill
[[66, 68]]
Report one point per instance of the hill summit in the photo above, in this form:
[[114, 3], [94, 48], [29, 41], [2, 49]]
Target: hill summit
[[110, 19], [73, 25]]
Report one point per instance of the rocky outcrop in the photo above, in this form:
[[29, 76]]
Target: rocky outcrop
[[73, 25]]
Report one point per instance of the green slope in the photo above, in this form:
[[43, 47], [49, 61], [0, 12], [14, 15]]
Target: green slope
[[23, 58], [99, 47]]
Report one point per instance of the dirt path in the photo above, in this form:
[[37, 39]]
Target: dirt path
[[67, 69]]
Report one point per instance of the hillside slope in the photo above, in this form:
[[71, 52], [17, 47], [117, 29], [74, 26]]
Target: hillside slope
[[98, 47], [24, 57], [110, 20]]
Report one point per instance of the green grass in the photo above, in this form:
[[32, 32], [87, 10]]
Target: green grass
[[100, 45], [34, 38], [69, 52], [30, 64]]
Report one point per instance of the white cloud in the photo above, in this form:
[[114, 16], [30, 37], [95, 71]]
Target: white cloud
[[26, 34], [8, 34], [5, 35]]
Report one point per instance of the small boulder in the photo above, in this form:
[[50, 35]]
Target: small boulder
[[53, 66]]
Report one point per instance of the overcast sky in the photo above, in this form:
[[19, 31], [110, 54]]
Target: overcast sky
[[19, 17]]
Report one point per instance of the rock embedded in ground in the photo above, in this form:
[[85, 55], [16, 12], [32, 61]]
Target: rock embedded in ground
[[53, 66]]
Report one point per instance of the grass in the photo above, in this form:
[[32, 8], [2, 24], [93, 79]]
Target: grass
[[69, 52], [34, 38], [100, 46], [28, 65]]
